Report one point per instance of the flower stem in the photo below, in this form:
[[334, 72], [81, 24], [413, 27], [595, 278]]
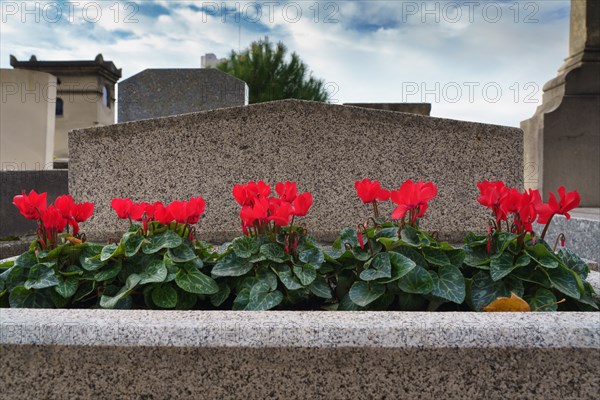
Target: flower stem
[[546, 227]]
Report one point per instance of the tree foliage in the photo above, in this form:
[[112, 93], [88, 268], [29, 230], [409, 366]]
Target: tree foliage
[[263, 66]]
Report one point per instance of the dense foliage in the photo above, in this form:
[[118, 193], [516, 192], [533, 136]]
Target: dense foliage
[[381, 265], [270, 76]]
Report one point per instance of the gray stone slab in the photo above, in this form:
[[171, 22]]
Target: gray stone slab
[[582, 233], [324, 147], [12, 223], [155, 93], [167, 354], [411, 108]]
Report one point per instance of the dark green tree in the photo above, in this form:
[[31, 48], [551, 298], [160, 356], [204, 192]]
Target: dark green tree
[[263, 66]]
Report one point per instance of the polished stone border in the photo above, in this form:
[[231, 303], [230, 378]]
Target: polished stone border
[[290, 329], [283, 354]]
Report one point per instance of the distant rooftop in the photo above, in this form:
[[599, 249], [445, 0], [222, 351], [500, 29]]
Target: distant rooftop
[[97, 65]]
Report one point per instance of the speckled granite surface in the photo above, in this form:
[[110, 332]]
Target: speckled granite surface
[[324, 147], [155, 93], [210, 355]]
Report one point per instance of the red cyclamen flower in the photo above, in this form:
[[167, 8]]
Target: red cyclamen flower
[[195, 209], [287, 191], [568, 201], [302, 204], [412, 197], [491, 195], [53, 220], [31, 206], [369, 191], [122, 207]]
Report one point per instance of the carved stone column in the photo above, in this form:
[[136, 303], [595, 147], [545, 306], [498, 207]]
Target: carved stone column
[[562, 139]]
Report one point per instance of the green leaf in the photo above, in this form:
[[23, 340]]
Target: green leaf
[[20, 297], [287, 278], [456, 257], [268, 277], [543, 255], [155, 272], [475, 240], [245, 246], [436, 257], [111, 301], [67, 287], [502, 266], [261, 298], [410, 236], [448, 284], [241, 300], [26, 260], [182, 253], [90, 263], [273, 252], [484, 290], [542, 300], [41, 276], [185, 300], [381, 268], [588, 297], [411, 302], [389, 243], [566, 281], [219, 298], [165, 240], [193, 281], [306, 273], [573, 262], [165, 296], [477, 257], [321, 288], [390, 233], [313, 256], [231, 265], [364, 293], [501, 240], [348, 305], [416, 281], [72, 270], [132, 243], [533, 274], [109, 251], [413, 254], [333, 253], [57, 300], [348, 235], [401, 265], [109, 272], [361, 254]]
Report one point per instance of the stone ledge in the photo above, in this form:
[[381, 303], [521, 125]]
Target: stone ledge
[[288, 329]]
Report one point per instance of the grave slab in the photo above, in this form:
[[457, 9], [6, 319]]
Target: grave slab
[[324, 147]]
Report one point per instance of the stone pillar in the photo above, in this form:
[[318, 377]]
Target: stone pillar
[[562, 139]]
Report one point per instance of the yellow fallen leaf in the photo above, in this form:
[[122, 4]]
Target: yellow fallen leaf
[[512, 303], [73, 240]]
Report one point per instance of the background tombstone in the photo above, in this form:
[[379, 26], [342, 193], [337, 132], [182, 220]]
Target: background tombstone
[[324, 147], [562, 139], [155, 93], [411, 108]]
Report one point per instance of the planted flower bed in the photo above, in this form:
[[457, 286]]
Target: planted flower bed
[[381, 264]]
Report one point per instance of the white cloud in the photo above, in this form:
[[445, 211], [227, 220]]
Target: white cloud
[[373, 53]]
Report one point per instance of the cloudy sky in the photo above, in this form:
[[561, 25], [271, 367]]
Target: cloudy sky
[[484, 61]]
